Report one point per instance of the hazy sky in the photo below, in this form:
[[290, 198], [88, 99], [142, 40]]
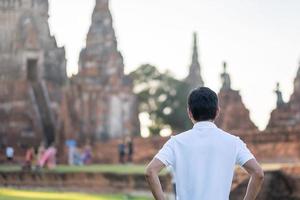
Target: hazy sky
[[260, 40]]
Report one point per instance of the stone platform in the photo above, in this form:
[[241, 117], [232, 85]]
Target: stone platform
[[81, 181], [281, 182]]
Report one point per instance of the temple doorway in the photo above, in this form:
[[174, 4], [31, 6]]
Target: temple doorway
[[32, 70]]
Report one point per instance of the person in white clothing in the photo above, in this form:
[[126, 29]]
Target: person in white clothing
[[204, 157], [9, 153]]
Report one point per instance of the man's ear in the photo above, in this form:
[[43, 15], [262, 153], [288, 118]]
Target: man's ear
[[190, 115], [218, 112], [188, 112]]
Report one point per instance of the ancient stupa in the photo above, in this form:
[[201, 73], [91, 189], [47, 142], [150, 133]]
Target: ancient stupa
[[234, 116], [287, 115], [32, 73], [194, 78], [100, 100]]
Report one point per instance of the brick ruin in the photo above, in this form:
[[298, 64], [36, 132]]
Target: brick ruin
[[194, 78], [99, 102], [38, 102], [233, 116], [32, 72], [287, 114]]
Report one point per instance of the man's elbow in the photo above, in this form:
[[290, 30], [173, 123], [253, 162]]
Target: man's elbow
[[149, 172], [259, 174]]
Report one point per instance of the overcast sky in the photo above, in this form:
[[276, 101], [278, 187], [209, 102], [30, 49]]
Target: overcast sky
[[260, 40]]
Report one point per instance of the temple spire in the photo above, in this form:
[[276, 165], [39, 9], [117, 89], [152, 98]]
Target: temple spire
[[101, 5], [100, 60], [278, 92], [194, 78], [297, 82], [195, 49], [298, 72], [225, 77]]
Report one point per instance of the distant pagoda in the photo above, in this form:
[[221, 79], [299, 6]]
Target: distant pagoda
[[101, 102], [287, 115], [194, 78], [233, 116]]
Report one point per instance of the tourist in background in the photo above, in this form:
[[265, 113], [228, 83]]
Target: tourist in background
[[71, 145], [87, 155], [121, 151], [78, 156], [9, 153], [48, 158], [130, 149], [29, 158]]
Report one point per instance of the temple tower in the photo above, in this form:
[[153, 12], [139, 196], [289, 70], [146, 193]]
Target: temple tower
[[225, 77], [297, 84], [32, 73], [104, 104], [280, 102], [233, 116], [101, 60], [287, 115], [194, 78]]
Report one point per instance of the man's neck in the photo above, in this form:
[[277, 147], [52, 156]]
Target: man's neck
[[195, 122]]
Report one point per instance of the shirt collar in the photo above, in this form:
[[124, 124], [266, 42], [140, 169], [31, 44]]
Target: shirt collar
[[204, 124]]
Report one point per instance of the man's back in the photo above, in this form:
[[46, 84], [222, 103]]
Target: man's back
[[204, 159]]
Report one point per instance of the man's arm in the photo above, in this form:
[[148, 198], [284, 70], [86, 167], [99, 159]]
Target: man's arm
[[256, 179], [152, 171]]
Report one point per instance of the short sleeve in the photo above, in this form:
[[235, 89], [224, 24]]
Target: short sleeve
[[243, 153], [166, 154]]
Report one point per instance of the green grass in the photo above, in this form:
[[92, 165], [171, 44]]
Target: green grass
[[119, 169], [116, 169], [13, 194], [10, 168]]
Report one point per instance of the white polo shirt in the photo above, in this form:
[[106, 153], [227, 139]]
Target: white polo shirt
[[203, 160]]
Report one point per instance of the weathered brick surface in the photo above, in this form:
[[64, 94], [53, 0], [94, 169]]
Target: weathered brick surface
[[99, 102], [95, 182], [288, 114], [234, 116]]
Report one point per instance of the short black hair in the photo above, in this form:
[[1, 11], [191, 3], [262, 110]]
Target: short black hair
[[203, 104]]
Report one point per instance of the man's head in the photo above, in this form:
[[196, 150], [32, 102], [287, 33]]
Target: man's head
[[202, 104]]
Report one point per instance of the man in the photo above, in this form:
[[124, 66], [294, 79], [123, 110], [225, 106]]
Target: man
[[204, 157]]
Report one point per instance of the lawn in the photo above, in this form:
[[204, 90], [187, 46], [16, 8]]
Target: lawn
[[13, 194], [116, 169], [119, 169]]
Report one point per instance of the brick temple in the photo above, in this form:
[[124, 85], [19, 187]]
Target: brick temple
[[234, 116], [100, 103], [39, 103], [287, 114], [32, 74]]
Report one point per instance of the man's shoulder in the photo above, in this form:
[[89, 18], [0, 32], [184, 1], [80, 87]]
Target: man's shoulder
[[182, 135], [227, 135], [220, 132]]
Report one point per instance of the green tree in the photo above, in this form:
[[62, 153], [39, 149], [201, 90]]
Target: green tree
[[163, 97]]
